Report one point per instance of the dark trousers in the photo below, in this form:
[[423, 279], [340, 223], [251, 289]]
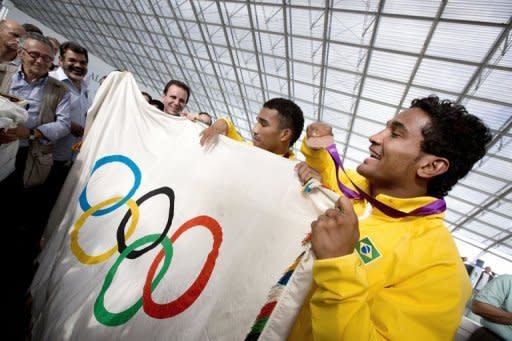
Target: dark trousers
[[18, 211], [484, 334], [23, 216], [52, 188]]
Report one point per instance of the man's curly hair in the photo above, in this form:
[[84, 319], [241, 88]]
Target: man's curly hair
[[454, 134]]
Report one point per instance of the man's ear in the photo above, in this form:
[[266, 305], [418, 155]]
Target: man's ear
[[431, 166], [60, 60], [286, 134]]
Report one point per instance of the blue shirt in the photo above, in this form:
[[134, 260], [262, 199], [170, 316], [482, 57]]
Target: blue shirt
[[498, 293], [33, 93], [79, 104]]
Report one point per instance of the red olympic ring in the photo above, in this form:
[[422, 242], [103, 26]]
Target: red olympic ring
[[180, 304]]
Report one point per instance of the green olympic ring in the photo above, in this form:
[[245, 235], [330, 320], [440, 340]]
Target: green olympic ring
[[115, 319]]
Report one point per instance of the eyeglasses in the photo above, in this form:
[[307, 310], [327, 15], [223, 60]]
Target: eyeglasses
[[36, 55]]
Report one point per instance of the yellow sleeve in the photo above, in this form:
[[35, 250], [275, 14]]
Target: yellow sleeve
[[320, 160], [232, 133]]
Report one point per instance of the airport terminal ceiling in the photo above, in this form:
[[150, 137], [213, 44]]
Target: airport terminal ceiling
[[353, 64]]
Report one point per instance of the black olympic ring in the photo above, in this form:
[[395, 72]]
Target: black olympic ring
[[121, 241]]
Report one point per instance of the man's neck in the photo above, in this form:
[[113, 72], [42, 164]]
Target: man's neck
[[31, 78], [77, 84], [7, 55], [398, 192], [281, 150]]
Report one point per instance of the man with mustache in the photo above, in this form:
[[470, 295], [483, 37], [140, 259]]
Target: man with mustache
[[73, 61]]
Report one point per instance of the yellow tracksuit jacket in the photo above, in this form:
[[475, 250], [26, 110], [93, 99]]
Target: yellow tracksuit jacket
[[405, 280]]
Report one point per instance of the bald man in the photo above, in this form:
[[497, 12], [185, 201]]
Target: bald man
[[10, 34]]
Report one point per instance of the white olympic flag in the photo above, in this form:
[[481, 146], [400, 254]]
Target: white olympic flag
[[157, 238]]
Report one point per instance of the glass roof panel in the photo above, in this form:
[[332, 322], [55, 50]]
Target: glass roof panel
[[383, 91], [351, 27], [391, 66], [347, 57], [306, 22], [495, 84], [496, 11], [444, 75], [464, 41], [402, 34], [423, 8]]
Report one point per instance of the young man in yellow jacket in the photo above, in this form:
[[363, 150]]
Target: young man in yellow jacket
[[386, 267], [278, 125]]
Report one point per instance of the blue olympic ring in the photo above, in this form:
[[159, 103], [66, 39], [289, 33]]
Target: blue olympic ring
[[84, 204]]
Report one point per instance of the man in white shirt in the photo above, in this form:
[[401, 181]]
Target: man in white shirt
[[73, 61]]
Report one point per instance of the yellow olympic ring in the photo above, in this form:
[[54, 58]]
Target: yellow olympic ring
[[79, 253]]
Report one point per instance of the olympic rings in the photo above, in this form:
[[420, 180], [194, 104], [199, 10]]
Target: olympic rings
[[84, 204], [156, 310], [186, 299], [77, 250], [115, 319], [121, 241]]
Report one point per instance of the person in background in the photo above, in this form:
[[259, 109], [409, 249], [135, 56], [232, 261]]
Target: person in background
[[205, 118], [494, 304], [32, 28], [10, 35], [56, 45], [278, 125], [175, 97], [467, 264], [23, 210], [485, 277], [147, 96], [202, 116], [157, 104], [73, 67]]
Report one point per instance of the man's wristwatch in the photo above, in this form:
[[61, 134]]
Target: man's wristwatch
[[32, 135]]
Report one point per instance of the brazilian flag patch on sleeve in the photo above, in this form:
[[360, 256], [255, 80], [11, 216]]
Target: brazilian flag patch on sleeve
[[367, 250]]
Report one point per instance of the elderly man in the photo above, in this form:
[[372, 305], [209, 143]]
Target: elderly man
[[175, 97], [278, 125], [10, 34], [48, 121], [31, 82]]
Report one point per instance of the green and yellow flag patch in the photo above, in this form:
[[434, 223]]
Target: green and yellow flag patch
[[367, 250]]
